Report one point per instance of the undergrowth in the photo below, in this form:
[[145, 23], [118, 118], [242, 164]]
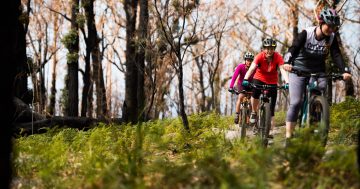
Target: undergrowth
[[160, 154]]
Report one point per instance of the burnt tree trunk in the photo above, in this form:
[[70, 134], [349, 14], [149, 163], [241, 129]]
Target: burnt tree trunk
[[22, 70], [12, 49], [87, 82], [98, 75], [295, 19], [181, 93], [89, 46], [72, 83], [200, 66], [101, 106], [41, 126], [140, 56], [131, 71]]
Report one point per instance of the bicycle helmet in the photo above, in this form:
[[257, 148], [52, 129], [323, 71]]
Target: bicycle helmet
[[329, 16], [249, 55], [269, 42]]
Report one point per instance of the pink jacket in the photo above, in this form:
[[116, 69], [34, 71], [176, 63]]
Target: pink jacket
[[240, 69]]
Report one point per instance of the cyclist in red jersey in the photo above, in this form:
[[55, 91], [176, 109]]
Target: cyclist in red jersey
[[265, 66]]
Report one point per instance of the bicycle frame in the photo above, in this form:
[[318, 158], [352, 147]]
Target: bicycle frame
[[264, 113], [244, 105], [315, 108], [311, 91]]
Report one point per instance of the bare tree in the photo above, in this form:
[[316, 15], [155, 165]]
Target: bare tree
[[173, 28], [43, 53], [52, 97], [92, 52]]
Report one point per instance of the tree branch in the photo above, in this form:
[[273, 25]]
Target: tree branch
[[62, 14], [258, 28], [290, 3]]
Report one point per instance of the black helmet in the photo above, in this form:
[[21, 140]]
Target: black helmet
[[329, 16], [269, 42], [249, 55]]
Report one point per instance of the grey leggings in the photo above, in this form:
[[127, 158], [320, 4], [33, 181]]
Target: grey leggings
[[296, 92]]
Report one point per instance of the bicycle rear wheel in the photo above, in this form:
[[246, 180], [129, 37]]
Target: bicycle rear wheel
[[264, 123], [318, 119], [243, 122]]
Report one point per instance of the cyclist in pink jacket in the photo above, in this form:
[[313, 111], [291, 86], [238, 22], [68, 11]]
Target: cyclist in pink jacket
[[239, 75]]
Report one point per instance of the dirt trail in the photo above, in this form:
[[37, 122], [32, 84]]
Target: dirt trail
[[234, 132]]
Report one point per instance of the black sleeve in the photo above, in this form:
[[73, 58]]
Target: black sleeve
[[336, 55], [295, 48]]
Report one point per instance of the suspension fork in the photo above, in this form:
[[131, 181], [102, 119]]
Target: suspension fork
[[306, 105]]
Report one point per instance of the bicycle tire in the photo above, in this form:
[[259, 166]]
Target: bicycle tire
[[243, 123], [265, 123], [319, 117]]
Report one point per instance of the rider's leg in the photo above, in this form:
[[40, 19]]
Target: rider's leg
[[254, 104], [296, 92], [238, 102], [255, 101], [273, 96], [272, 125], [255, 96], [254, 109], [237, 108], [290, 127]]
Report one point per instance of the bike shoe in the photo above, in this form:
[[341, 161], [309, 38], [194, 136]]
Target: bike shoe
[[253, 117], [236, 120]]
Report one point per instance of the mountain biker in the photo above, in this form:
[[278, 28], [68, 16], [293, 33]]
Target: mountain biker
[[308, 53], [239, 75], [265, 66]]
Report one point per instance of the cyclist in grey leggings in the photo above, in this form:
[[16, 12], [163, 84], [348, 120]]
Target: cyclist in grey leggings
[[308, 53]]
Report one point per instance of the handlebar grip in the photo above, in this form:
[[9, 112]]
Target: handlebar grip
[[337, 77]]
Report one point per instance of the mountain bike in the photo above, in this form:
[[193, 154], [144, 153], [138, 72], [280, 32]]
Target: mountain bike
[[315, 111], [263, 123], [245, 110]]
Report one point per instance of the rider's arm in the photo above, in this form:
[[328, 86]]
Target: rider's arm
[[250, 71], [295, 48], [284, 73], [234, 77], [336, 55]]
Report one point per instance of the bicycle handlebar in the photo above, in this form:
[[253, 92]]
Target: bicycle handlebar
[[237, 92], [265, 87], [334, 76]]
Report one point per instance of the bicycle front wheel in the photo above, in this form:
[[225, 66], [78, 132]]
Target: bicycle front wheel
[[243, 122], [318, 119], [264, 123]]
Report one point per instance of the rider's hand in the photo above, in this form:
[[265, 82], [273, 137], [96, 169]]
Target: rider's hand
[[286, 86], [287, 67], [346, 76], [245, 83], [231, 90]]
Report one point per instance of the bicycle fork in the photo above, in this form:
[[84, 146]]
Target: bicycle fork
[[305, 110]]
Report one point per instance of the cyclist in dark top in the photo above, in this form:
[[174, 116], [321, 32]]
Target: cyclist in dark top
[[308, 53]]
